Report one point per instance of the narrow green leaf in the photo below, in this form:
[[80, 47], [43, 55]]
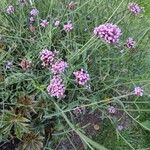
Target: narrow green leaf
[[146, 125]]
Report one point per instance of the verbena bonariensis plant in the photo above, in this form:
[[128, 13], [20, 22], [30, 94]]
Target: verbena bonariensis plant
[[74, 75]]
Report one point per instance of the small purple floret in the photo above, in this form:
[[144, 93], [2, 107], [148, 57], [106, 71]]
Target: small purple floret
[[56, 87], [47, 57], [134, 8], [138, 91], [59, 67], [82, 77], [34, 12], [111, 109], [130, 43], [10, 9], [109, 32], [68, 27]]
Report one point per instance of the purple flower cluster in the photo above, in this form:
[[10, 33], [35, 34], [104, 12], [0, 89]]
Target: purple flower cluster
[[32, 19], [56, 87], [82, 77], [130, 43], [44, 23], [56, 23], [111, 109], [34, 12], [10, 9], [134, 8], [59, 67], [109, 32], [138, 91], [25, 64], [47, 57], [68, 27]]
